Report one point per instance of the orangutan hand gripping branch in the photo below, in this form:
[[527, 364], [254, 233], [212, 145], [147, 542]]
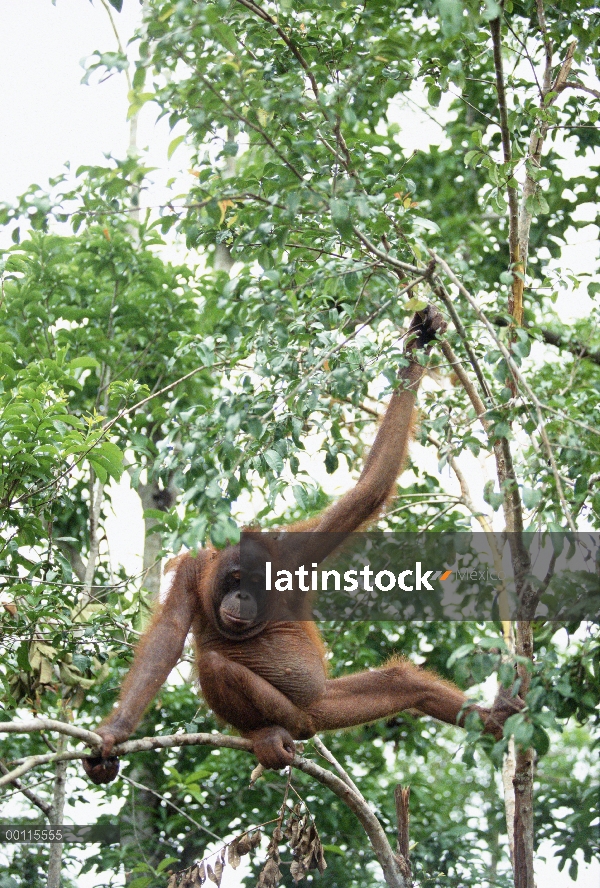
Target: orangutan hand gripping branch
[[268, 678]]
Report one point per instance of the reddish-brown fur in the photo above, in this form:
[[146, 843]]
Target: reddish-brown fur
[[269, 681]]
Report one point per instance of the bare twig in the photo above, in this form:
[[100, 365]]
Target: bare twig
[[171, 804], [329, 756]]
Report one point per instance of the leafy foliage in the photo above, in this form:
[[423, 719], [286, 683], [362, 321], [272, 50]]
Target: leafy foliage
[[230, 388]]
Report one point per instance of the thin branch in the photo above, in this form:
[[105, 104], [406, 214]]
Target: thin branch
[[517, 373], [220, 741], [171, 804], [45, 807], [329, 756], [577, 84], [441, 292], [257, 10], [34, 725], [548, 47], [394, 263], [474, 108], [549, 93], [390, 864], [515, 304], [576, 348], [118, 39]]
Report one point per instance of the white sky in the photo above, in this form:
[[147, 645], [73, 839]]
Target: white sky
[[48, 117]]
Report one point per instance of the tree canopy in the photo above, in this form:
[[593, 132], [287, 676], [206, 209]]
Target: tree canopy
[[229, 386]]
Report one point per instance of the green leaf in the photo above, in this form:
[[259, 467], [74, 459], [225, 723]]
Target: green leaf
[[340, 211], [451, 14], [226, 35], [493, 499], [274, 460], [416, 304], [531, 498], [99, 469], [139, 77], [86, 361], [434, 96], [165, 863], [300, 496], [522, 732], [173, 145], [141, 882], [112, 458]]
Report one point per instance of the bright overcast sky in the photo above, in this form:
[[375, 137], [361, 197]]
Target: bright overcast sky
[[48, 117]]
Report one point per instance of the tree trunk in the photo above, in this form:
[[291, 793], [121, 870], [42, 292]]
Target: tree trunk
[[56, 817]]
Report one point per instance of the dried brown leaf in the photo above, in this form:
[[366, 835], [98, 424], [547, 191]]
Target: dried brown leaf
[[233, 855], [298, 870], [198, 876], [270, 875], [219, 870], [244, 844]]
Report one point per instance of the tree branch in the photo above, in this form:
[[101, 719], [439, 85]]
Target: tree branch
[[388, 861], [576, 348], [538, 136], [577, 84], [441, 292], [515, 303], [394, 263], [525, 385], [343, 788], [256, 9], [45, 807]]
